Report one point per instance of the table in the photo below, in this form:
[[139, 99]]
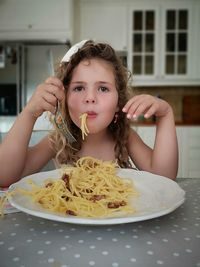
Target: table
[[170, 240]]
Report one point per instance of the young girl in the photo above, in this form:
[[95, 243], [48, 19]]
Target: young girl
[[91, 79]]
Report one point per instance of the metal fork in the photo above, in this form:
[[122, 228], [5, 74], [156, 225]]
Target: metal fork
[[58, 118], [62, 124]]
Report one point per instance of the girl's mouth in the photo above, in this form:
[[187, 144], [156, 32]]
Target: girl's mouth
[[91, 114]]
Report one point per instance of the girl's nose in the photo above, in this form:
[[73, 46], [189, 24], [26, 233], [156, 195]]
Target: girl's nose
[[90, 98]]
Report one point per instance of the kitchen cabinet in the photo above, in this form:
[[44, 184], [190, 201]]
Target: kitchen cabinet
[[189, 148], [189, 151], [36, 20], [162, 41], [161, 37]]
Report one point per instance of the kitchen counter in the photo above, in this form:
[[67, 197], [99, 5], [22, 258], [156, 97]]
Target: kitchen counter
[[42, 123], [170, 240]]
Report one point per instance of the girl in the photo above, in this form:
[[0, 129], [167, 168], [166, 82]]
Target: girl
[[91, 79]]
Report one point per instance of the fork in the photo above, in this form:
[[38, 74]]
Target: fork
[[58, 118], [62, 124]]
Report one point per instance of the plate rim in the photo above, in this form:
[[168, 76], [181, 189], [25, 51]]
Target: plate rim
[[93, 221]]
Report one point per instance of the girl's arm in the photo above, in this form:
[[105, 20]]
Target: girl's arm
[[16, 159], [163, 158]]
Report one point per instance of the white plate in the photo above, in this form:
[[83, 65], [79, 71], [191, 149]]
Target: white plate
[[158, 196]]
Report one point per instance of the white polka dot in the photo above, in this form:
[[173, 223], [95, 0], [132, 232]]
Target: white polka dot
[[149, 243], [109, 229], [11, 248], [128, 246], [149, 252], [77, 256], [64, 265], [92, 247], [60, 230], [99, 238], [176, 254], [40, 252], [135, 230], [198, 264], [47, 242], [29, 240], [173, 231], [165, 240], [44, 232], [91, 263], [135, 236], [122, 232], [115, 264], [67, 236], [13, 234], [89, 231], [188, 250], [16, 259], [105, 252], [73, 229], [133, 260], [184, 228], [187, 239], [51, 260], [16, 224], [197, 236], [114, 239], [63, 248], [160, 262], [1, 242], [153, 232], [81, 241]]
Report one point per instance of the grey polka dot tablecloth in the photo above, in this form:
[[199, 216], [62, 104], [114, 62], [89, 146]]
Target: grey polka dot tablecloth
[[170, 240]]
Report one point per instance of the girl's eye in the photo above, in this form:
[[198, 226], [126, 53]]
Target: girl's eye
[[103, 89], [78, 89]]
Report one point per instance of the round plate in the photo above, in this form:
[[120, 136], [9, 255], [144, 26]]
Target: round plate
[[158, 196]]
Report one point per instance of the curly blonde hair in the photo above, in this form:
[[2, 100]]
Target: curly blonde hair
[[67, 153]]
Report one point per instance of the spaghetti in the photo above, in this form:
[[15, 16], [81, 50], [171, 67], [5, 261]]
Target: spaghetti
[[84, 128], [91, 189]]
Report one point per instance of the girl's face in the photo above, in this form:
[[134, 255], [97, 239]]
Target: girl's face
[[92, 90]]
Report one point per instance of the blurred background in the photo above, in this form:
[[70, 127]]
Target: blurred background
[[158, 41]]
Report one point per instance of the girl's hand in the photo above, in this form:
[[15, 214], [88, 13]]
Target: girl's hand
[[146, 105], [45, 97]]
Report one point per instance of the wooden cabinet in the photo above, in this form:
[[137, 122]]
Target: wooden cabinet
[[189, 148], [40, 20]]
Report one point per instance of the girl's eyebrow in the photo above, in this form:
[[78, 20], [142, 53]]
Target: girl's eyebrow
[[99, 82]]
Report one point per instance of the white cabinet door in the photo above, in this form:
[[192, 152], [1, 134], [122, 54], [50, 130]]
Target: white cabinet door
[[27, 19], [161, 48], [189, 148]]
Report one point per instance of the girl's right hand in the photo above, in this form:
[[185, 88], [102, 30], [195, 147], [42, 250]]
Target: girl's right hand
[[45, 97]]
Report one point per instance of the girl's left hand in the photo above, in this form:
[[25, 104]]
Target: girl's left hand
[[146, 105]]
